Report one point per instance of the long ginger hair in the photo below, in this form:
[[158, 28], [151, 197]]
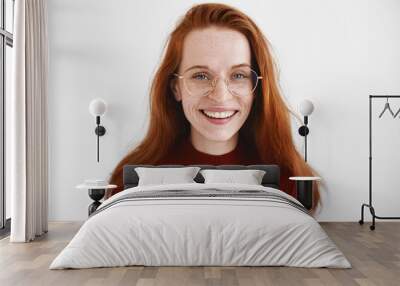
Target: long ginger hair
[[267, 127]]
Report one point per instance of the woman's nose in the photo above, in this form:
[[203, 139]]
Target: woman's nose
[[220, 92]]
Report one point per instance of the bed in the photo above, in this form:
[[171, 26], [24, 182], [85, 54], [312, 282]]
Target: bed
[[201, 224]]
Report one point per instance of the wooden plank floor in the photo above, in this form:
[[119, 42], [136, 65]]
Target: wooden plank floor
[[375, 257]]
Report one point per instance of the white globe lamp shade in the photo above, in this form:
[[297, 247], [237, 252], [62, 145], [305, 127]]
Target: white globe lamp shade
[[97, 107], [306, 107]]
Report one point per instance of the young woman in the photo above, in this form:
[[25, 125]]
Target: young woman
[[215, 100]]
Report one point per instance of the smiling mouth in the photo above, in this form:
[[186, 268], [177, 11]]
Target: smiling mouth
[[219, 115]]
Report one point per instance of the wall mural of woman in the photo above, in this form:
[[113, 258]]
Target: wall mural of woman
[[215, 100]]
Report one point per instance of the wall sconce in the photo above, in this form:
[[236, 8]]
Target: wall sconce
[[306, 107], [97, 108]]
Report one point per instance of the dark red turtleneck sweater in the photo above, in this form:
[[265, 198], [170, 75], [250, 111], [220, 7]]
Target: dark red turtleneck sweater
[[186, 154]]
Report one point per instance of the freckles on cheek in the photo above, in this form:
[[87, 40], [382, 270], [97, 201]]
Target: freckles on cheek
[[245, 105], [190, 108]]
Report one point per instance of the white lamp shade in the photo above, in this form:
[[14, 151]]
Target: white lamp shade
[[97, 107], [306, 107]]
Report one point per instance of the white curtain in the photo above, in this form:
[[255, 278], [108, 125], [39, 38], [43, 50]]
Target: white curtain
[[28, 122]]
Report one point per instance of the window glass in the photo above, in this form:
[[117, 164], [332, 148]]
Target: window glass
[[9, 15], [8, 69], [2, 195], [1, 14]]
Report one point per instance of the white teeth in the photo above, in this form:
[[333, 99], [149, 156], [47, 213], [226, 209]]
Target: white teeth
[[224, 114]]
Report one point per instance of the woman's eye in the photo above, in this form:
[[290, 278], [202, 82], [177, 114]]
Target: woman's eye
[[238, 76], [200, 76]]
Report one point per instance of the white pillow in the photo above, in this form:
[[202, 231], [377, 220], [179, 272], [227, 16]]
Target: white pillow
[[162, 176], [250, 177]]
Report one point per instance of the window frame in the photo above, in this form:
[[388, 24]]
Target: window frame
[[6, 39]]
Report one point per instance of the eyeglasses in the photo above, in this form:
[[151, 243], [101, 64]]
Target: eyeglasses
[[242, 81]]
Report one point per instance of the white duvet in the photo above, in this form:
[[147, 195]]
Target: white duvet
[[200, 231]]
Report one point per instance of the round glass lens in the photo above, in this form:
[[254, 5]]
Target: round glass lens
[[241, 81]]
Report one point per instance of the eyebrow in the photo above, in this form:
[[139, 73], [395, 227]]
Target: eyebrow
[[207, 67]]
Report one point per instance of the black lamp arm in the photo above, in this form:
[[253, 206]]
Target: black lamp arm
[[303, 131], [99, 131]]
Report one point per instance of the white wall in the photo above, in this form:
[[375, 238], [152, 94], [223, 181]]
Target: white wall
[[333, 52]]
